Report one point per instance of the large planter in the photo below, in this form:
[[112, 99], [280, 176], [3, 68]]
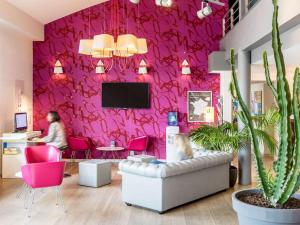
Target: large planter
[[254, 215], [233, 173]]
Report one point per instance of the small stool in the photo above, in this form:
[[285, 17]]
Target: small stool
[[94, 173]]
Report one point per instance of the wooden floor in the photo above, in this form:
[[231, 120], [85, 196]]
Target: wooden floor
[[103, 206]]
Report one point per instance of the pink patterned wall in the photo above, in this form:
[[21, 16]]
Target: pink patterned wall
[[173, 34]]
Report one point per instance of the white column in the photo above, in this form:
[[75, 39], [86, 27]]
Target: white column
[[244, 80], [242, 8], [225, 79]]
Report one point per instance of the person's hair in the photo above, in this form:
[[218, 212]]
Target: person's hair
[[55, 116], [182, 143]]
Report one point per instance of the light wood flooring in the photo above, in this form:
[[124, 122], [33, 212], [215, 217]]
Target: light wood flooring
[[104, 206]]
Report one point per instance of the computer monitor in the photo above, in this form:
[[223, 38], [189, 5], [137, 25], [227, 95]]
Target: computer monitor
[[20, 121]]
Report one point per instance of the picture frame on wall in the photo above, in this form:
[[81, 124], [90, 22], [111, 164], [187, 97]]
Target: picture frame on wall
[[197, 102]]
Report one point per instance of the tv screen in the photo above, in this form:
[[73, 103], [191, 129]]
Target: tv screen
[[125, 95]]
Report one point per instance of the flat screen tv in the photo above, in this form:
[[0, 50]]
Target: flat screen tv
[[126, 95]]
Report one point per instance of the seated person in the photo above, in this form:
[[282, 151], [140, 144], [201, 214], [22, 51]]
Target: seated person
[[56, 132], [183, 150]]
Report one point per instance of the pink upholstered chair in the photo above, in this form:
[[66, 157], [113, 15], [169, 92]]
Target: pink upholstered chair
[[43, 153], [82, 144], [42, 175], [138, 144], [38, 154]]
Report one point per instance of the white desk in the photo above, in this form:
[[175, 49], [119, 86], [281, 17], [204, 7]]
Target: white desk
[[11, 164]]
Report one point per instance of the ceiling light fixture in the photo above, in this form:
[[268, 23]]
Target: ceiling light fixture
[[206, 10], [104, 45]]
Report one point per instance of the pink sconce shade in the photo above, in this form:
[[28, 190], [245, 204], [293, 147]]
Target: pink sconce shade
[[185, 68], [143, 67], [58, 68]]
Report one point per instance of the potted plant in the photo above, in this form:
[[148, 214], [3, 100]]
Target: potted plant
[[275, 201], [227, 138]]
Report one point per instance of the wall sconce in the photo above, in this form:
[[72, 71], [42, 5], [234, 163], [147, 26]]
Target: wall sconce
[[58, 68], [143, 68], [163, 3], [135, 1], [100, 67], [185, 68], [210, 114]]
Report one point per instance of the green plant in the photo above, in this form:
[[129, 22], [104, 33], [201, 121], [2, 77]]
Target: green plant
[[228, 138], [280, 187], [225, 137]]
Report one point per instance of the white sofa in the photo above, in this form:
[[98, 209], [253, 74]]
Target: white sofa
[[165, 186]]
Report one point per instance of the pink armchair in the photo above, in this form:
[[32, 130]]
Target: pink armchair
[[42, 153], [82, 144], [38, 154], [138, 144], [42, 175]]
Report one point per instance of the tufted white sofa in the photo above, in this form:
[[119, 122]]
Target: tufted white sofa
[[165, 186]]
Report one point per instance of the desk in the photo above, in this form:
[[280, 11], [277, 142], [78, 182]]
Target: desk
[[114, 151], [11, 163]]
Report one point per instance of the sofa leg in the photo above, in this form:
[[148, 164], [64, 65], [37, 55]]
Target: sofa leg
[[128, 204]]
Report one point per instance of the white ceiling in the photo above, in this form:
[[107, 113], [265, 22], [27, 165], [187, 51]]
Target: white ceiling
[[46, 11]]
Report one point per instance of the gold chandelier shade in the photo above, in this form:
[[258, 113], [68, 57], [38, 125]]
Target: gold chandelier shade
[[142, 46], [127, 43], [85, 46], [103, 42]]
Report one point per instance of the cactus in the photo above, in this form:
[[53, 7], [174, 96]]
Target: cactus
[[286, 181]]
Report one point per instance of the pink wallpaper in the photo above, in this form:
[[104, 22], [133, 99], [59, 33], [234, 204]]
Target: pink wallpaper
[[173, 34]]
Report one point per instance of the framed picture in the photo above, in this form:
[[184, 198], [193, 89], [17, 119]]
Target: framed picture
[[197, 102]]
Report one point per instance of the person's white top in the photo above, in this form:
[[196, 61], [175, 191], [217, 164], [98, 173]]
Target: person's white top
[[56, 135]]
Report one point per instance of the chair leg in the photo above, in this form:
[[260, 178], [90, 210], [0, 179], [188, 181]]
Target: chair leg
[[23, 190], [27, 196], [88, 154], [60, 199], [31, 199]]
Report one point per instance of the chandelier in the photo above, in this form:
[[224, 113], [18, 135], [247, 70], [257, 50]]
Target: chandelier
[[114, 45]]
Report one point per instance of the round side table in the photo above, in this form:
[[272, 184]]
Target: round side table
[[114, 151]]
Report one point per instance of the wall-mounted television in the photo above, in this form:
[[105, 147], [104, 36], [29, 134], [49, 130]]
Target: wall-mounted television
[[126, 95]]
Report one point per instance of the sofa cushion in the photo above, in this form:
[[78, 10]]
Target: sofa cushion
[[175, 168]]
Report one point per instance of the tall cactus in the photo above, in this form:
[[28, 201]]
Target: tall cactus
[[287, 167]]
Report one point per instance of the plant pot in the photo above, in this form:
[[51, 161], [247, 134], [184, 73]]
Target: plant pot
[[233, 172], [255, 215]]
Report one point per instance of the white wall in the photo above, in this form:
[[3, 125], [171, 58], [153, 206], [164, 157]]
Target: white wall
[[20, 21], [15, 66]]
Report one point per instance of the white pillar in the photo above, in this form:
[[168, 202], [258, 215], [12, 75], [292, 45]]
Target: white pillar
[[225, 79], [244, 80], [242, 8]]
